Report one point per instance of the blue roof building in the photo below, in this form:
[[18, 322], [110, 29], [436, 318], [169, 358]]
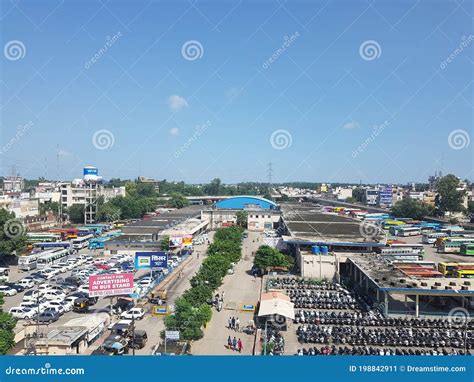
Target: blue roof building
[[246, 202]]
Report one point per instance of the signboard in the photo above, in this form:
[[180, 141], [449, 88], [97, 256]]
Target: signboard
[[172, 334], [188, 240], [386, 196], [175, 241], [151, 260], [160, 309], [110, 285], [248, 307]]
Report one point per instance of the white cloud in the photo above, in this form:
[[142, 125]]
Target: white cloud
[[351, 125], [174, 131], [176, 102]]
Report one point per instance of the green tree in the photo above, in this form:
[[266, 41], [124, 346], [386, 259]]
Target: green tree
[[44, 208], [284, 198], [165, 243], [411, 208], [7, 335], [269, 257], [76, 213], [178, 200], [213, 188], [358, 194], [242, 218], [12, 233], [450, 198], [146, 189], [107, 212]]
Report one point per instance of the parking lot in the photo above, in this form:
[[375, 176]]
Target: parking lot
[[53, 298]]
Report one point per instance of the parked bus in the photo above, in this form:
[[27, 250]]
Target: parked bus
[[81, 242], [66, 233], [398, 257], [98, 242], [415, 248], [28, 262], [34, 237], [405, 231], [390, 223], [430, 238], [453, 245], [54, 257], [465, 274], [467, 249], [58, 244], [448, 269]]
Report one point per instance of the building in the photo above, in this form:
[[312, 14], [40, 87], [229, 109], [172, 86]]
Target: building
[[342, 193], [20, 205], [372, 196], [154, 182], [13, 184], [262, 214]]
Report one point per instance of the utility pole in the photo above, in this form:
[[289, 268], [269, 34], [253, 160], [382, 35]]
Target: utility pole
[[270, 174]]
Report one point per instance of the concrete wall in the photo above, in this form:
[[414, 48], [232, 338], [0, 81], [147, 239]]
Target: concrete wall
[[317, 266]]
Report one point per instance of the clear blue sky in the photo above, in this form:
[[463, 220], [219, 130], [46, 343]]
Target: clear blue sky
[[323, 90]]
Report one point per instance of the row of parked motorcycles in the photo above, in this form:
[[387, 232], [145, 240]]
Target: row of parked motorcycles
[[289, 283], [359, 350], [404, 337], [374, 318], [275, 343]]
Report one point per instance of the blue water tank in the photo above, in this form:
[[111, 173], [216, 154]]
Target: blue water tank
[[315, 249], [324, 250]]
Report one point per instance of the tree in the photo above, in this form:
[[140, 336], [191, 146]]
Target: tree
[[12, 233], [44, 208], [165, 243], [76, 213], [269, 257], [213, 188], [107, 212], [358, 194], [7, 335], [284, 198], [178, 200], [411, 208], [242, 218], [146, 189], [450, 198]]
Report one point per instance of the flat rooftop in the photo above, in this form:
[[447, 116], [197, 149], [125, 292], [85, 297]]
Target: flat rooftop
[[307, 222], [64, 336], [389, 278]]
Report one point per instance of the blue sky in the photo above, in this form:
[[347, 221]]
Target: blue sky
[[325, 90]]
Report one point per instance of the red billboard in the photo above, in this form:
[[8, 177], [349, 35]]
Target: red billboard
[[110, 285]]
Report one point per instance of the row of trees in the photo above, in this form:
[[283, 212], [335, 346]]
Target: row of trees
[[192, 309], [268, 257]]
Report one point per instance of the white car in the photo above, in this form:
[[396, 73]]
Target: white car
[[32, 306], [136, 313], [83, 288], [7, 291], [54, 295], [26, 283], [59, 268], [22, 313], [70, 300], [57, 304], [31, 295], [146, 281]]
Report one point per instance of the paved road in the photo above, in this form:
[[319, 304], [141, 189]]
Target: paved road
[[240, 288]]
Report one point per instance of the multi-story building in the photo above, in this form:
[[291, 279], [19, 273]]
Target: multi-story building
[[372, 196], [13, 184]]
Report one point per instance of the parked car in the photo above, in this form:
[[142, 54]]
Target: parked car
[[49, 315], [59, 268], [7, 291], [56, 304], [75, 280], [54, 295], [22, 313], [37, 309], [26, 283], [19, 288], [31, 295], [136, 313], [138, 340], [81, 305]]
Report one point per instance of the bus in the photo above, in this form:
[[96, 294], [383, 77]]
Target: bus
[[401, 257], [81, 242], [33, 237], [390, 223], [405, 230], [101, 227], [453, 244], [28, 262], [465, 274], [415, 248], [448, 269], [37, 247], [66, 233], [430, 238], [98, 242], [51, 258], [467, 249]]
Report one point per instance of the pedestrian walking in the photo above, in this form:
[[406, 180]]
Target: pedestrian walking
[[234, 343], [239, 345], [223, 295], [229, 343], [233, 323], [237, 324], [229, 323]]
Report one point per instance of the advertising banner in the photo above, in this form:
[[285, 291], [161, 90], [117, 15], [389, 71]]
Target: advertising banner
[[110, 285], [175, 241], [188, 240], [151, 260]]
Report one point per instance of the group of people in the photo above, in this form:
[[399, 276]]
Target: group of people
[[235, 344], [234, 323]]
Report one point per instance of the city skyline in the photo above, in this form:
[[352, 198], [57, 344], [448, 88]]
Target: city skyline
[[186, 91]]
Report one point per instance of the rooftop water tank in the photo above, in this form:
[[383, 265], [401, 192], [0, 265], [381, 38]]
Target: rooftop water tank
[[315, 249]]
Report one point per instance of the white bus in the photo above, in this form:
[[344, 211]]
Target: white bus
[[29, 262], [408, 231], [430, 238], [81, 242], [53, 257]]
